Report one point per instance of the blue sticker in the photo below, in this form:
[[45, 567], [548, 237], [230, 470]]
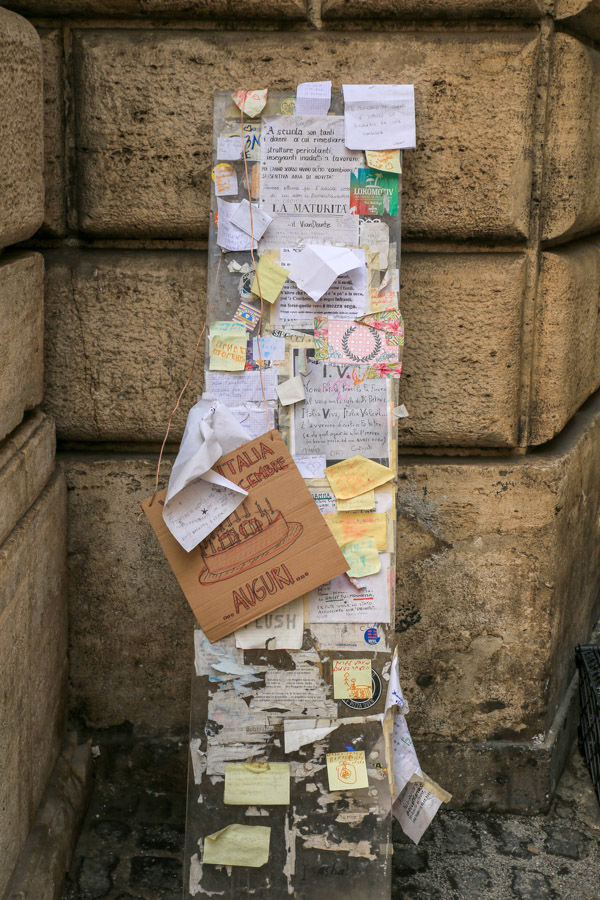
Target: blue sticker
[[372, 636]]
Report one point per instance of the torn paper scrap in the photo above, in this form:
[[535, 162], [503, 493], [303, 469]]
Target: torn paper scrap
[[352, 679], [197, 498], [291, 391], [362, 558], [229, 236], [313, 98], [355, 476], [260, 783], [417, 805], [311, 466], [338, 601], [254, 224], [394, 697], [269, 279], [237, 845], [229, 147], [361, 503], [379, 116], [404, 757], [299, 732], [247, 315], [401, 412], [353, 526], [347, 770], [268, 349], [282, 630], [241, 386], [385, 160], [228, 346], [225, 180], [376, 236], [251, 102], [318, 265]]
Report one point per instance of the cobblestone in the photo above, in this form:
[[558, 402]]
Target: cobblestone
[[131, 846]]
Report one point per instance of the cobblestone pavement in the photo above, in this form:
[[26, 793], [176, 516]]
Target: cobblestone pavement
[[131, 844]]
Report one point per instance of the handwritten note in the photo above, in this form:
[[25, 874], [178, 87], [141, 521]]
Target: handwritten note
[[272, 349], [255, 224], [379, 116], [265, 784], [311, 466], [339, 601], [354, 526], [228, 345], [347, 771], [352, 679], [362, 557], [355, 476], [229, 147], [384, 160], [225, 180], [229, 236], [242, 386], [362, 503], [345, 299], [313, 98]]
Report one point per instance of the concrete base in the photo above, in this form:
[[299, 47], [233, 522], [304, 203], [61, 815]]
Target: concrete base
[[506, 776], [43, 862]]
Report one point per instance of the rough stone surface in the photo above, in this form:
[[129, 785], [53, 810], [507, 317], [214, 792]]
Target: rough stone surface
[[100, 386], [461, 362], [26, 463], [33, 646], [22, 317], [571, 195], [43, 862], [54, 126], [21, 129], [144, 114], [431, 9], [233, 10], [130, 625], [567, 337], [582, 16], [498, 567]]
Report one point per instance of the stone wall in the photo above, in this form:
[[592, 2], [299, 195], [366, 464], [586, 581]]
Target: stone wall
[[33, 610], [498, 502]]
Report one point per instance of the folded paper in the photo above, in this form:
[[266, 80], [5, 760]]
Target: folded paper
[[229, 236], [263, 783], [237, 845], [250, 219], [347, 771], [355, 476], [361, 503], [318, 265], [417, 805], [291, 391], [251, 102], [352, 679]]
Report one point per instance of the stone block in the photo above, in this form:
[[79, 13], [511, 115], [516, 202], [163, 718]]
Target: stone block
[[498, 569], [567, 337], [571, 189], [21, 129], [332, 10], [120, 335], [232, 10], [461, 363], [54, 133], [26, 463], [131, 628], [33, 647], [582, 16], [144, 120], [22, 317]]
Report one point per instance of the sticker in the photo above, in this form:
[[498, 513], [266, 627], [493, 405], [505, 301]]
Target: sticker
[[372, 636], [373, 193], [371, 701]]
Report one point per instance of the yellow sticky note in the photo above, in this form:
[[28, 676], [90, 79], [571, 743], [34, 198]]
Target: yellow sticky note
[[347, 771], [356, 475], [272, 277], [385, 160], [250, 784], [348, 527], [238, 845], [362, 557], [352, 679], [363, 502], [228, 344]]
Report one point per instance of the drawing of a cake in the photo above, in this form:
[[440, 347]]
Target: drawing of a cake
[[245, 539]]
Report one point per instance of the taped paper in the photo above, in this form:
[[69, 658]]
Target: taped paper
[[238, 845]]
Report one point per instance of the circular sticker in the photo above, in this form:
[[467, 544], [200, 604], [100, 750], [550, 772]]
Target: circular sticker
[[375, 694], [372, 636]]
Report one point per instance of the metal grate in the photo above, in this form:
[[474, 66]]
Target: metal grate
[[588, 663]]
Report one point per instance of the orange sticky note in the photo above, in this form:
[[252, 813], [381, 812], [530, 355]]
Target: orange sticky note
[[355, 476]]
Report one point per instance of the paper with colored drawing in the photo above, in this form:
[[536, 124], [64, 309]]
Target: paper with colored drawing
[[352, 679], [347, 770]]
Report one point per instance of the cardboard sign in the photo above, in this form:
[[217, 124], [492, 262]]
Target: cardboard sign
[[273, 548]]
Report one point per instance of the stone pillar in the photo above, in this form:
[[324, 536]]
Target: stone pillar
[[498, 496]]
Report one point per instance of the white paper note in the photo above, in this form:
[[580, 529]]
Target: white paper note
[[229, 148], [233, 388], [401, 411], [229, 236], [318, 265], [280, 630], [253, 418], [379, 116], [291, 391], [313, 98], [260, 219], [417, 805], [311, 466], [199, 499], [272, 349], [345, 299], [339, 601], [375, 235]]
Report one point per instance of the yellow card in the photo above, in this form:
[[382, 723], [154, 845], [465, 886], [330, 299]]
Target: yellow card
[[348, 527], [347, 771], [356, 476], [272, 277], [362, 557], [259, 783], [352, 679], [228, 344], [238, 845], [385, 160], [362, 503]]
